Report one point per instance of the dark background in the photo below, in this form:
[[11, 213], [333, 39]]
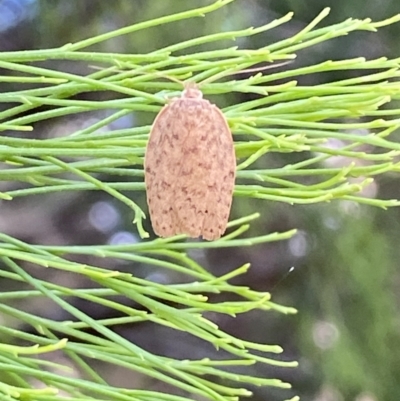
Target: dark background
[[345, 285]]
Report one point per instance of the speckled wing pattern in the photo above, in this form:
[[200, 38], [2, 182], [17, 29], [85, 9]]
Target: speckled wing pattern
[[190, 169]]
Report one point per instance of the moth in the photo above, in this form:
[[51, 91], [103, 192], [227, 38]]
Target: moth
[[190, 167]]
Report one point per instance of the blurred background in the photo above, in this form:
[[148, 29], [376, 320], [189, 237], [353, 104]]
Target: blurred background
[[346, 280]]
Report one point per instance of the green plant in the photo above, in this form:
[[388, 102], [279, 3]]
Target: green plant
[[283, 118]]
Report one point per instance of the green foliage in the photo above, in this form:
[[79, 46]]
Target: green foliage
[[282, 117]]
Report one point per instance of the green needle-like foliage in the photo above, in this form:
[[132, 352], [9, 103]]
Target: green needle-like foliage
[[352, 120]]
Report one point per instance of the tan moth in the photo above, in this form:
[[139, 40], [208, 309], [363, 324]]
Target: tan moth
[[190, 168]]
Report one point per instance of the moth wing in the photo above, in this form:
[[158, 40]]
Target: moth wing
[[222, 179], [205, 183], [159, 172]]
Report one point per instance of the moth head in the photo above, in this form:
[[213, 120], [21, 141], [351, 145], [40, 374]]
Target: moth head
[[191, 91]]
